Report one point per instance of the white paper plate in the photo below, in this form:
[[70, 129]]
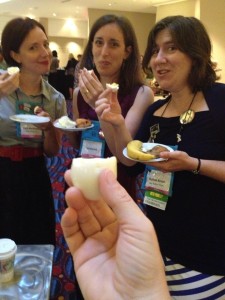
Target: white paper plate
[[30, 119], [59, 126], [150, 146]]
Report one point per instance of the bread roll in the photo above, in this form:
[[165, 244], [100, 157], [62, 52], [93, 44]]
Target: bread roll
[[82, 123]]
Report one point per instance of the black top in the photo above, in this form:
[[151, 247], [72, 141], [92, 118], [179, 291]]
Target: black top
[[191, 230]]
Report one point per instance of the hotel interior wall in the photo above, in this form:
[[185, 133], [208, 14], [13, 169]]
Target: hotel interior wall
[[74, 39]]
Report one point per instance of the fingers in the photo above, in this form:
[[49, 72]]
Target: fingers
[[101, 106], [4, 75], [89, 85], [8, 83], [93, 216], [67, 177], [71, 230]]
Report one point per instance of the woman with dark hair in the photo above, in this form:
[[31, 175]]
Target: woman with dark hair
[[184, 193], [112, 55], [27, 212]]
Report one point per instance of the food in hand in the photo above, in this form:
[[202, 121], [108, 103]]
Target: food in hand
[[136, 150], [37, 110], [13, 70], [85, 172], [114, 86], [83, 123], [66, 122]]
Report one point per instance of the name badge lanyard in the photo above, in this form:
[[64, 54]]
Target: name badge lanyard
[[92, 144], [157, 185]]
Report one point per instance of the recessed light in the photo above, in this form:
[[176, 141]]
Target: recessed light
[[3, 1]]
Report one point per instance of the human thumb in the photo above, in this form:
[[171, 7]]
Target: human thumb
[[117, 197]]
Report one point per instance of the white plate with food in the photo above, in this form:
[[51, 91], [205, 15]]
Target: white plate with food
[[145, 152], [65, 123], [29, 119]]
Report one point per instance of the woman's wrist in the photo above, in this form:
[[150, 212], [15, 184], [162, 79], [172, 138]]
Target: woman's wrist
[[196, 171]]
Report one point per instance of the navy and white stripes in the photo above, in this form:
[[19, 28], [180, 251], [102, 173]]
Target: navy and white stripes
[[186, 284]]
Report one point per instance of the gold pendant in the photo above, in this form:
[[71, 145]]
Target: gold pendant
[[187, 116]]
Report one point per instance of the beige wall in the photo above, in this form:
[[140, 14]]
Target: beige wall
[[212, 14], [186, 8]]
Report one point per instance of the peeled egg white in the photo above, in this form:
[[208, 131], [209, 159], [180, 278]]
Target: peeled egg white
[[85, 172]]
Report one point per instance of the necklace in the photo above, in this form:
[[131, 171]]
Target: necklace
[[185, 118]]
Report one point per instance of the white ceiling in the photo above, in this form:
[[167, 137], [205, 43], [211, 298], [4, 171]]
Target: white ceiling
[[77, 9]]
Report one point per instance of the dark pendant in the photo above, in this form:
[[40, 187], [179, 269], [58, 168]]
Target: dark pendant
[[154, 130], [187, 116]]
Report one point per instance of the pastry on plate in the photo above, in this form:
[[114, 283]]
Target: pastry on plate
[[83, 123]]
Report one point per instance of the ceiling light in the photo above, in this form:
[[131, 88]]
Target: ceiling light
[[3, 1]]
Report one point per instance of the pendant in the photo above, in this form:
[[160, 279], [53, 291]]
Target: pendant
[[154, 130], [187, 116], [178, 137]]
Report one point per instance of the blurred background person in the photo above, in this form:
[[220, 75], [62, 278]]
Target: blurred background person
[[71, 64], [54, 62], [52, 76]]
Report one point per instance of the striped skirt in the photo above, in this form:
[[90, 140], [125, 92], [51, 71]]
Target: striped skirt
[[186, 284]]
